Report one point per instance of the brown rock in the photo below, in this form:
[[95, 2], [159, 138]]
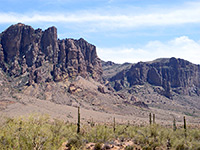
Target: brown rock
[[101, 89], [153, 77], [23, 48], [31, 77], [122, 95], [141, 104], [73, 88], [133, 98], [15, 69], [38, 77], [56, 74], [169, 74], [23, 65], [11, 40], [49, 44], [1, 54], [118, 86]]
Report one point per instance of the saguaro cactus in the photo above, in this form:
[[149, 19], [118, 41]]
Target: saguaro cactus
[[92, 123], [79, 120], [150, 119], [128, 124], [185, 127], [184, 121], [154, 118], [174, 124], [114, 128]]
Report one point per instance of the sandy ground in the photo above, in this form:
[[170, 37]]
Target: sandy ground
[[64, 112], [29, 105]]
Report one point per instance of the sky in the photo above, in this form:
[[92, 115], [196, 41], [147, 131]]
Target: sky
[[122, 30]]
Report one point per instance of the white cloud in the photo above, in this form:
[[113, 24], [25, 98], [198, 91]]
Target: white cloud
[[180, 47], [112, 20]]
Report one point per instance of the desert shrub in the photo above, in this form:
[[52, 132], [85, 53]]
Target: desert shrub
[[181, 146], [129, 147], [75, 142], [41, 132], [99, 133], [34, 132], [97, 146]]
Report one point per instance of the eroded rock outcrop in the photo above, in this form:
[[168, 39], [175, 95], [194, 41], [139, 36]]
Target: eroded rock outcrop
[[172, 74], [43, 56]]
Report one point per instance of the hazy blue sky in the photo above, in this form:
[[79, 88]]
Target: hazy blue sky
[[122, 30]]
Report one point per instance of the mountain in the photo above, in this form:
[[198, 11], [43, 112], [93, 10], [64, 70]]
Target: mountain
[[23, 50], [172, 75], [35, 65], [165, 83], [41, 73]]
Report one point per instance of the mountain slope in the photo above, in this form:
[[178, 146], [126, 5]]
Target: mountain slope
[[65, 72], [170, 84], [172, 74], [37, 71]]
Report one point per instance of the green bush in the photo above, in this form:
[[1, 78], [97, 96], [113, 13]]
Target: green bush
[[129, 147], [41, 132], [97, 146]]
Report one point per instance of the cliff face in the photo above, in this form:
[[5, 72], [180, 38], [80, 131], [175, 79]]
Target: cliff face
[[25, 50], [177, 75]]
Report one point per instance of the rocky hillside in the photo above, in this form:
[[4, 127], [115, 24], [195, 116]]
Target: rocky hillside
[[36, 66], [23, 50], [165, 84], [172, 75], [41, 73]]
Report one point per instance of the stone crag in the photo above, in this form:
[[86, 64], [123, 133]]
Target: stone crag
[[177, 75], [25, 50]]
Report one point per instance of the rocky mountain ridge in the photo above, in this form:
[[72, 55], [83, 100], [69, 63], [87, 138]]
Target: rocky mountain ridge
[[39, 66], [177, 75], [23, 50]]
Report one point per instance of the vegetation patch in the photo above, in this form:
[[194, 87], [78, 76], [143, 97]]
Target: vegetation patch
[[41, 132]]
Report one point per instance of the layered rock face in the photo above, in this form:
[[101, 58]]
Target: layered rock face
[[44, 57], [172, 74]]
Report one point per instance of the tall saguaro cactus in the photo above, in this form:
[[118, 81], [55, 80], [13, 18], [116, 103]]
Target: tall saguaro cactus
[[79, 120], [114, 128], [184, 125], [150, 119], [184, 121], [174, 124], [154, 118]]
